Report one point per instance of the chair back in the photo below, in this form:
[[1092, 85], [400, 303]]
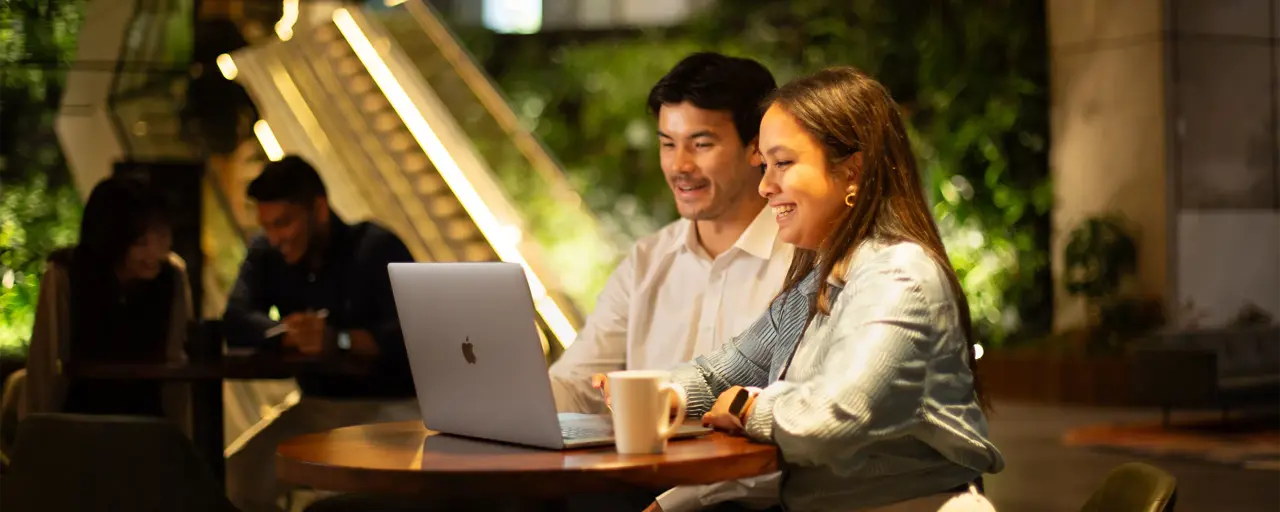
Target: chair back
[[91, 463], [1134, 487]]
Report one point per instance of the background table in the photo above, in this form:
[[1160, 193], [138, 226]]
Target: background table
[[206, 377], [406, 458]]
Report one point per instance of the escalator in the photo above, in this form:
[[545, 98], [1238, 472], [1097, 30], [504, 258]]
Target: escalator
[[402, 124], [407, 130]]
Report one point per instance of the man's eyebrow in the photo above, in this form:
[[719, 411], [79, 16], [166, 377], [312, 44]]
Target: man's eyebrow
[[695, 135]]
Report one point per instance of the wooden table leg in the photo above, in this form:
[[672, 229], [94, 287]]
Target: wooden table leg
[[207, 425]]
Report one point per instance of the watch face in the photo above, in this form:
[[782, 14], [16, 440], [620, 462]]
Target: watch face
[[344, 341], [740, 400]]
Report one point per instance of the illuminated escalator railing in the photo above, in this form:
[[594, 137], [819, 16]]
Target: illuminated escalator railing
[[457, 182], [579, 250], [458, 161]]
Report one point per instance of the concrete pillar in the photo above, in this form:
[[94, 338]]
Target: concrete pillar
[[1166, 112], [1107, 138]]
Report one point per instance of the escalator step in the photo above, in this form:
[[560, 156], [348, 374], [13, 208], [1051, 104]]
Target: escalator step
[[373, 104], [430, 184], [415, 162], [443, 207], [348, 67]]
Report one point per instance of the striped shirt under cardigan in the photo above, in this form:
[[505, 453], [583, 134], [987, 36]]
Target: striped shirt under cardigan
[[877, 406]]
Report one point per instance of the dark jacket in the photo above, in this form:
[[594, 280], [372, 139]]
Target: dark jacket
[[352, 284]]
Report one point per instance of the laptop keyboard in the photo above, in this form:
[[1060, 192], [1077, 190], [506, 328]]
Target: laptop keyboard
[[585, 432], [585, 426]]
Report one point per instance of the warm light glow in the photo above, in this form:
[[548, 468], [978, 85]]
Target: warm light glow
[[977, 351], [270, 145], [288, 16], [392, 3], [227, 67], [499, 236]]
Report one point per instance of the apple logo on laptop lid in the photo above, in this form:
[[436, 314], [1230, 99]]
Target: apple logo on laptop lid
[[468, 351]]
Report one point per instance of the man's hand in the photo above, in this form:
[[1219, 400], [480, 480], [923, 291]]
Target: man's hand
[[653, 507], [719, 416], [601, 384], [305, 332], [362, 342]]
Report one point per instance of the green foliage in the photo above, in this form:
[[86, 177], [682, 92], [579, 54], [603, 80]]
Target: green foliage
[[589, 109], [34, 221], [971, 76], [39, 210]]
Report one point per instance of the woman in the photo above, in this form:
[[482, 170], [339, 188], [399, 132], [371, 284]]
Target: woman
[[117, 296], [865, 359]]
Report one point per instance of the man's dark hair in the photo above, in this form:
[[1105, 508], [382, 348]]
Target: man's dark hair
[[290, 179], [711, 81]]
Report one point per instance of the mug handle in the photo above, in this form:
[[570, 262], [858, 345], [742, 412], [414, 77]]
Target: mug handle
[[678, 419]]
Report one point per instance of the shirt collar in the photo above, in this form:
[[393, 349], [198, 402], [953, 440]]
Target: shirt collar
[[339, 233], [757, 240]]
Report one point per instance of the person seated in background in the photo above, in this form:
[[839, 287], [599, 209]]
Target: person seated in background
[[705, 277], [328, 280], [119, 295], [862, 372]]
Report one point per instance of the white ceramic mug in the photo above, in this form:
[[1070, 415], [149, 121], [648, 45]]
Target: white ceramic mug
[[641, 410]]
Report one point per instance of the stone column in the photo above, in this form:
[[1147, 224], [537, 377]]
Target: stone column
[[1166, 111], [1107, 137]]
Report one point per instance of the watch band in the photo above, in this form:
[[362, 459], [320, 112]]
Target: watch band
[[741, 404], [753, 392]]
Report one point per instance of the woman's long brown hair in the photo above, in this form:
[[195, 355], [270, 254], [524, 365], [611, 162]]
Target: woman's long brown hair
[[849, 112]]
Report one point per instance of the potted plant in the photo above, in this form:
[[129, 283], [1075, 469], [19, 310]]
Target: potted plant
[[1100, 260], [1088, 365]]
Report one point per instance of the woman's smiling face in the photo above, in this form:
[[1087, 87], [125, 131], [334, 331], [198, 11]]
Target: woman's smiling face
[[806, 196]]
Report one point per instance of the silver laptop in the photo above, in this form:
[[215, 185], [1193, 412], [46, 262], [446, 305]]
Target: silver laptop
[[477, 360]]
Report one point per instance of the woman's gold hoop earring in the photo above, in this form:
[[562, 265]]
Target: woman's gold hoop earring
[[848, 199]]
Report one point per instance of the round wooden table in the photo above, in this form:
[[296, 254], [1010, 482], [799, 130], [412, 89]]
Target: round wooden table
[[406, 458]]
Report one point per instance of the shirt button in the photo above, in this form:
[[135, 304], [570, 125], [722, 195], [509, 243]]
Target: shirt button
[[311, 278]]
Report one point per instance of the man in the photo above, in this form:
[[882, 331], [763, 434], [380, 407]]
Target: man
[[703, 279], [328, 280]]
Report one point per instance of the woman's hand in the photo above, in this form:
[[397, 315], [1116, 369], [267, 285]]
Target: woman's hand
[[719, 416]]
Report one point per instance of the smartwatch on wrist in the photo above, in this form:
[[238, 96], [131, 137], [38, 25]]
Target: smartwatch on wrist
[[741, 404], [344, 342]]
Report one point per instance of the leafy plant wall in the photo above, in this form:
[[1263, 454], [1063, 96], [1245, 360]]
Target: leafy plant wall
[[39, 208], [971, 75], [34, 220]]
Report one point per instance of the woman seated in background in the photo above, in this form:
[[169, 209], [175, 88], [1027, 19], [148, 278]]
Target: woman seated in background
[[862, 370], [119, 295]]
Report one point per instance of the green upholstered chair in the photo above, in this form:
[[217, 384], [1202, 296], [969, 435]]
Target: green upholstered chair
[[1134, 487]]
